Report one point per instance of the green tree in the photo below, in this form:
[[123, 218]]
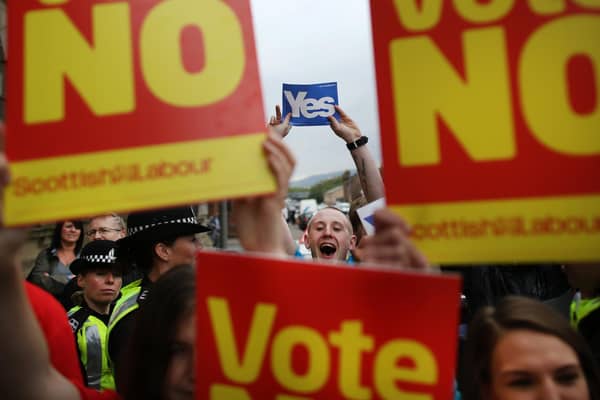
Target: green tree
[[318, 189]]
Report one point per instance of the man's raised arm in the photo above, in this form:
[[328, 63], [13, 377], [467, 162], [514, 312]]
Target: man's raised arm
[[366, 168]]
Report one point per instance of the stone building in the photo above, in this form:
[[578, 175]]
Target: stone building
[[334, 195]]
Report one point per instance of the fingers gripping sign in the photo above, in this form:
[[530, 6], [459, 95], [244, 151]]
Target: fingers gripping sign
[[345, 128], [391, 244], [310, 104], [281, 127]]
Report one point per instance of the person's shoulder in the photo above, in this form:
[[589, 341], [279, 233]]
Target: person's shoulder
[[41, 301], [48, 252], [45, 260], [48, 311], [127, 292], [591, 323], [73, 310], [34, 292], [298, 253], [350, 260], [127, 303], [132, 287], [43, 255], [58, 333]]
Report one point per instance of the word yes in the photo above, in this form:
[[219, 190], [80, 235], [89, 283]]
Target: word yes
[[310, 108]]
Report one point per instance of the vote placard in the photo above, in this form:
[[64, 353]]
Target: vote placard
[[489, 114], [310, 104], [123, 105], [274, 329]]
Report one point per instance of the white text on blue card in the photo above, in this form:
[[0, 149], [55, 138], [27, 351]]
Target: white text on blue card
[[310, 104]]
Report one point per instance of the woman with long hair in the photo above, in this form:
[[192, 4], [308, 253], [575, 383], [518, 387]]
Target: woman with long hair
[[51, 267]]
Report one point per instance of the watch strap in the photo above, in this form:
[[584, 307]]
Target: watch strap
[[361, 141]]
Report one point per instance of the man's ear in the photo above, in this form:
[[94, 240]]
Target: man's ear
[[162, 251], [306, 240], [80, 281], [352, 242]]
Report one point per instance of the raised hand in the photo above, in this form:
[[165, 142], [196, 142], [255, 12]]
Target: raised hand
[[279, 126], [391, 244], [368, 173], [258, 219], [345, 128]]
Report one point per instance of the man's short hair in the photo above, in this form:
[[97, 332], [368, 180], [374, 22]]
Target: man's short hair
[[117, 218], [347, 221]]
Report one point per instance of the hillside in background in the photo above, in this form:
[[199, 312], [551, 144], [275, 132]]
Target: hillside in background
[[314, 179]]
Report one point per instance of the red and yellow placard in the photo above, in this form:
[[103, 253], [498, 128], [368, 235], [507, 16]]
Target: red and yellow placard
[[273, 330], [490, 121], [121, 105]]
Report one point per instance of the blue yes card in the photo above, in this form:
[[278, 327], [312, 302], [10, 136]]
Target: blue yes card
[[310, 104]]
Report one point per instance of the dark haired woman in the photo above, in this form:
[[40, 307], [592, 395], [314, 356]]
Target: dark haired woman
[[51, 267], [522, 350]]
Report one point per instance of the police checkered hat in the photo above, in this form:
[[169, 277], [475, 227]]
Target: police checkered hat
[[160, 224], [96, 254]]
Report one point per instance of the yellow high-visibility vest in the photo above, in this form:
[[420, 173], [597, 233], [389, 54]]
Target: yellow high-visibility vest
[[91, 337]]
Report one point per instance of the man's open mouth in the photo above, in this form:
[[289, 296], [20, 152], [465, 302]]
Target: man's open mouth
[[327, 249]]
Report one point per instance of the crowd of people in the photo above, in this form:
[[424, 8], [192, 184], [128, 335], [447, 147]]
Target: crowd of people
[[135, 278]]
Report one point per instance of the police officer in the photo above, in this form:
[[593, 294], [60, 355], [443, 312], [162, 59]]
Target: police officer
[[585, 306], [156, 242], [99, 276]]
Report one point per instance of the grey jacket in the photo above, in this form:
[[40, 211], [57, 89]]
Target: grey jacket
[[45, 275]]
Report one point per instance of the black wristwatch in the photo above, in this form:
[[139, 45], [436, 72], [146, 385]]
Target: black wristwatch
[[361, 141]]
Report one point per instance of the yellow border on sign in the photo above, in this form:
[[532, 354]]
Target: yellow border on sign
[[83, 185], [557, 229]]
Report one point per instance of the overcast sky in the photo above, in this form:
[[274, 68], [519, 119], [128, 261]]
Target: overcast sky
[[313, 41]]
